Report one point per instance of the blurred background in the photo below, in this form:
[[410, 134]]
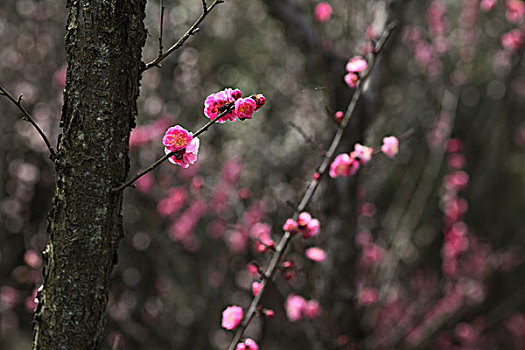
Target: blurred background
[[422, 251]]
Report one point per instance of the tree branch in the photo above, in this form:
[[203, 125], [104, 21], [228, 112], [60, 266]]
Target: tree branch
[[192, 30], [27, 117], [168, 155], [321, 170]]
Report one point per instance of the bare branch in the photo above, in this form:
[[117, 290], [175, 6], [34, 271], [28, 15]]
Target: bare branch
[[321, 170], [162, 8], [192, 30], [26, 116]]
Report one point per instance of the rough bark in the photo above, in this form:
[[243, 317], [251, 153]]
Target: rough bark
[[104, 40]]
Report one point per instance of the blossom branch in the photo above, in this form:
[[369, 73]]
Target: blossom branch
[[192, 30], [27, 117], [171, 154], [321, 170]]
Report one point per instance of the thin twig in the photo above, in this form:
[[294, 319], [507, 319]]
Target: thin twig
[[27, 117], [168, 155], [192, 30], [116, 344], [307, 138], [161, 25], [285, 240]]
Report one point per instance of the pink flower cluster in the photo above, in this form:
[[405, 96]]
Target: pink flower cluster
[[305, 225], [181, 142], [355, 65], [231, 317], [348, 164], [297, 307], [249, 344], [232, 100]]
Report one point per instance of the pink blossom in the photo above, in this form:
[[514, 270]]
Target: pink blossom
[[356, 64], [268, 313], [311, 309], [188, 157], [231, 317], [304, 218], [512, 40], [256, 288], [252, 269], [294, 307], [515, 10], [251, 344], [390, 146], [216, 103], [176, 138], [339, 116], [173, 202], [32, 259], [323, 12], [371, 33], [351, 80], [487, 5], [244, 108], [240, 346], [367, 296], [260, 100], [315, 254], [362, 153], [290, 225], [312, 228], [343, 165]]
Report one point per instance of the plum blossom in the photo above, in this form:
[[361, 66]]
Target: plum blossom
[[343, 165], [323, 12], [515, 10], [231, 317], [294, 307], [311, 309], [218, 102], [512, 40], [256, 288], [362, 153], [244, 108], [315, 254], [176, 138], [185, 156], [356, 64], [390, 146], [487, 5], [249, 344], [305, 225], [351, 80]]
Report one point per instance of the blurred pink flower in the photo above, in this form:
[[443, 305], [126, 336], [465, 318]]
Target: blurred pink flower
[[315, 254], [294, 307], [323, 12], [515, 10], [231, 317], [251, 344], [487, 5], [343, 165], [362, 153], [351, 80], [512, 40], [390, 146], [311, 309], [304, 218], [290, 225], [312, 228], [367, 296], [356, 64], [256, 288]]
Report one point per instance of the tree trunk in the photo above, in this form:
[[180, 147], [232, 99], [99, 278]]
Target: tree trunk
[[104, 41]]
